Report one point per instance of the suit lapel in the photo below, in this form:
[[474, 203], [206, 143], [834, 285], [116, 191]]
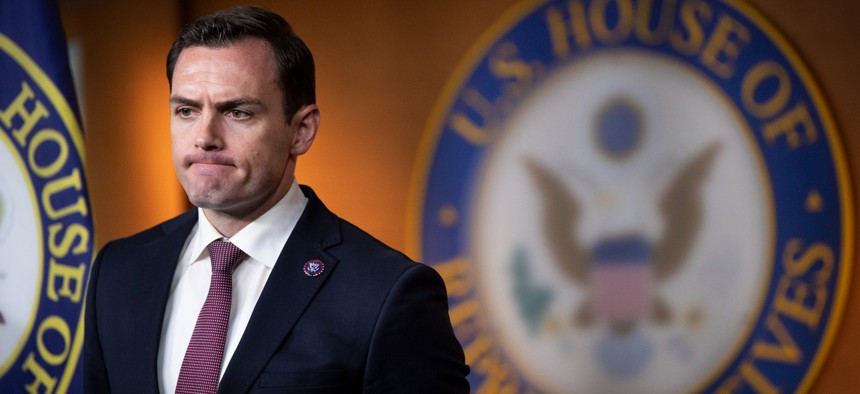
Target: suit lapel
[[156, 265], [286, 295]]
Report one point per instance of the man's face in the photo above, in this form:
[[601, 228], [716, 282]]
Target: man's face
[[230, 138]]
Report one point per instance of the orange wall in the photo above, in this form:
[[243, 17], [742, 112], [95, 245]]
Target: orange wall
[[381, 67], [129, 172]]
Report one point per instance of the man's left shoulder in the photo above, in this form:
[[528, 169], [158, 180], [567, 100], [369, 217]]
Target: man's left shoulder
[[360, 244], [356, 250]]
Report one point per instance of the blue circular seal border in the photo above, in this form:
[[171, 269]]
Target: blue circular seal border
[[50, 147], [819, 241]]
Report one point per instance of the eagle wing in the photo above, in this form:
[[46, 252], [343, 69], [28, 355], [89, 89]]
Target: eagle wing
[[681, 207], [560, 212]]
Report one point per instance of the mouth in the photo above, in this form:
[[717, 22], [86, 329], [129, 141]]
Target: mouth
[[206, 163]]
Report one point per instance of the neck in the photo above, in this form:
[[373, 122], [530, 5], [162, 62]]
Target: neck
[[230, 222], [226, 224]]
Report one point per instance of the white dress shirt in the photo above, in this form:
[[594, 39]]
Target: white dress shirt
[[262, 240]]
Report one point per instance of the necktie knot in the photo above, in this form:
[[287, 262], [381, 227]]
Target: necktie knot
[[225, 256]]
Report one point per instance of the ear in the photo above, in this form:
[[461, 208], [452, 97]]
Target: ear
[[305, 123]]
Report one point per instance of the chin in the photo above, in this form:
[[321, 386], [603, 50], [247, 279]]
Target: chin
[[206, 203], [230, 207], [203, 201]]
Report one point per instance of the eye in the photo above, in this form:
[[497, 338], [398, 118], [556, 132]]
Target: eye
[[238, 114], [184, 112]]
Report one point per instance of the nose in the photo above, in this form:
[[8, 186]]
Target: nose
[[208, 134]]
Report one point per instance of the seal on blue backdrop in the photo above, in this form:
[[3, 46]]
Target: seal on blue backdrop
[[644, 196]]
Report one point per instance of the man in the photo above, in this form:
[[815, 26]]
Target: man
[[261, 288]]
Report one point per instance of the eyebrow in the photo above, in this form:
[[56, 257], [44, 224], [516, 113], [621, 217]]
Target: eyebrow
[[175, 100], [221, 106]]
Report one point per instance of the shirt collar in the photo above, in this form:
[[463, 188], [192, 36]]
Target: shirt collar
[[264, 238]]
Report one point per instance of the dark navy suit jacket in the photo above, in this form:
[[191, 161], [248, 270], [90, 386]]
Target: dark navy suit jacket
[[373, 321]]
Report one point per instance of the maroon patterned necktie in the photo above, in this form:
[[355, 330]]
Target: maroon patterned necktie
[[202, 363]]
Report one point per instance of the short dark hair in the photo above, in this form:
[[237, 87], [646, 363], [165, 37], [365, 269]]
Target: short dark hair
[[294, 62]]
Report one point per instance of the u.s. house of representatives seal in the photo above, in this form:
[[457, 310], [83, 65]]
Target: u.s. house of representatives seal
[[45, 229], [636, 196]]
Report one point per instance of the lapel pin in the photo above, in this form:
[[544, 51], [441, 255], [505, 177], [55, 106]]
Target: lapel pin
[[313, 267]]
